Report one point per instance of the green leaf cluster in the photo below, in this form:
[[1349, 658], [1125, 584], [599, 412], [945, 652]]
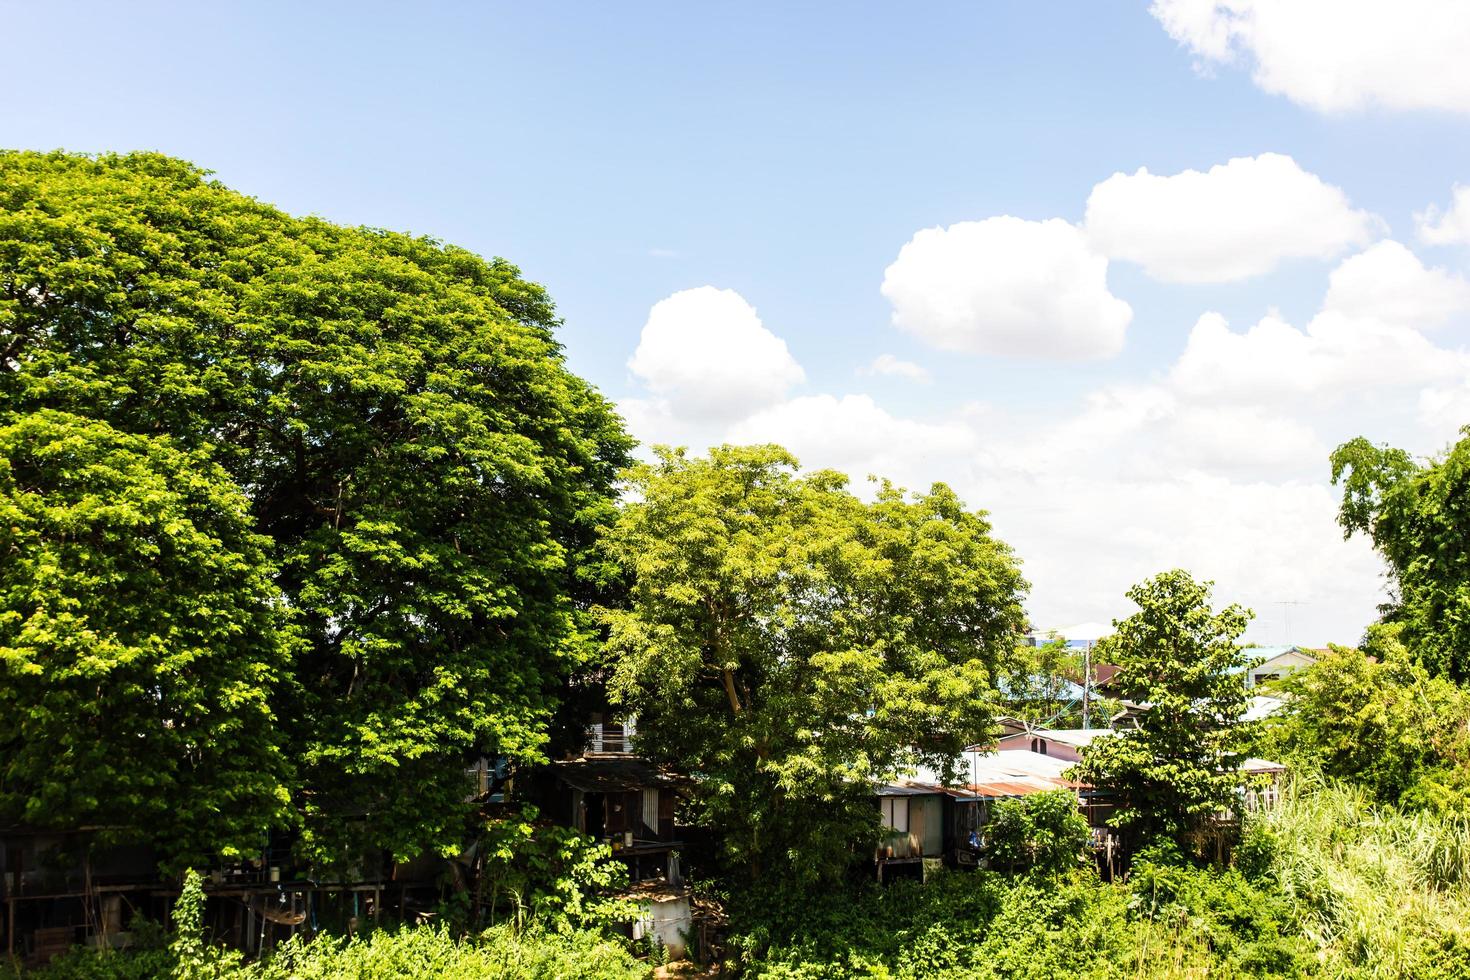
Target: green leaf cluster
[[1171, 922], [792, 644], [1180, 658], [532, 872], [141, 640], [1380, 721], [422, 483], [1043, 832], [1417, 514]]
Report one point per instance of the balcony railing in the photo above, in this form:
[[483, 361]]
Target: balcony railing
[[611, 739]]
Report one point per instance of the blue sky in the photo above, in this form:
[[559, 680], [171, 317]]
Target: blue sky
[[621, 154]]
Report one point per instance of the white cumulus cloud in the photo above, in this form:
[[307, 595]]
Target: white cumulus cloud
[[1335, 55], [1332, 358], [705, 354], [1236, 220], [1450, 227], [1387, 282], [1007, 286], [887, 365], [854, 434]]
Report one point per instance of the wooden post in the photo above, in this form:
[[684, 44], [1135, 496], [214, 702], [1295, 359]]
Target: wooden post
[[89, 908]]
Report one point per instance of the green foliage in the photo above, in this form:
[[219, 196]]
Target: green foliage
[[554, 877], [427, 474], [1176, 922], [141, 641], [1383, 723], [1418, 518], [423, 952], [1376, 892], [1180, 765], [1044, 832], [410, 953], [195, 957], [794, 645], [1036, 680]]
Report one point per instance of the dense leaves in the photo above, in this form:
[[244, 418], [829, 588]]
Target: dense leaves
[[408, 953], [553, 877], [1180, 658], [1382, 722], [1418, 518], [791, 644], [427, 475], [1043, 832], [1173, 921], [140, 641]]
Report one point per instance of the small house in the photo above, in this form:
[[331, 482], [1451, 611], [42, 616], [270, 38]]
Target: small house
[[1066, 744], [1273, 663], [913, 815]]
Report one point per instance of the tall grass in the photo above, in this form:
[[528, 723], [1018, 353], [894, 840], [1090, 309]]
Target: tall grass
[[1380, 893]]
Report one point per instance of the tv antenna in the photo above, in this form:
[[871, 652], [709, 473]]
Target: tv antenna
[[1286, 605]]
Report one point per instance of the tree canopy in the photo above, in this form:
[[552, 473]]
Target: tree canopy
[[792, 644], [1180, 659], [425, 476], [140, 641], [1418, 517]]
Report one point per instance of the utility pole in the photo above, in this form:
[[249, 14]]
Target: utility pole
[[1086, 685]]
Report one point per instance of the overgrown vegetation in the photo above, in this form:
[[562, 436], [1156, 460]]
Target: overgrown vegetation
[[1329, 884], [1376, 892], [1043, 832], [1381, 721], [1417, 514], [1170, 921], [532, 952]]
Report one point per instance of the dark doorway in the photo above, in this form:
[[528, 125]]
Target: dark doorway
[[595, 824]]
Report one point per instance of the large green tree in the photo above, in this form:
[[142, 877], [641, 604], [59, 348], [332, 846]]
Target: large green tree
[[429, 475], [140, 642], [792, 644], [1417, 514], [1181, 659]]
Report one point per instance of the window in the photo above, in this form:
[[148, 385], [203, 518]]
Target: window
[[1038, 745], [896, 814], [650, 811]]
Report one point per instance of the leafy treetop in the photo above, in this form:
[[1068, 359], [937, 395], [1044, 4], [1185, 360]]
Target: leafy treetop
[[1418, 517], [793, 645], [1181, 659], [428, 476]]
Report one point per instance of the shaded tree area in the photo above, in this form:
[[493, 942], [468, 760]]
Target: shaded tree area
[[423, 477]]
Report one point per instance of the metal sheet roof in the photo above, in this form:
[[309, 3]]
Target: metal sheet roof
[[613, 775]]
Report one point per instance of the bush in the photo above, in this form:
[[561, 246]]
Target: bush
[[409, 952], [1044, 832], [432, 952]]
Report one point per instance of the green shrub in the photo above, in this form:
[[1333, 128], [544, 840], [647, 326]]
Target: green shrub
[[1043, 832]]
